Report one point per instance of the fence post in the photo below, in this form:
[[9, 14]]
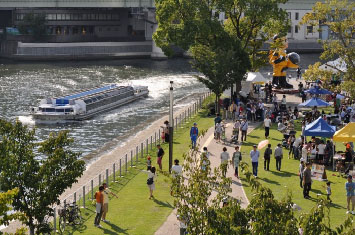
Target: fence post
[[107, 177], [147, 146], [136, 154], [180, 121], [55, 219], [185, 115], [120, 168], [159, 136], [99, 179], [155, 138], [176, 125], [151, 142], [131, 158], [75, 197], [92, 189], [84, 196], [126, 163], [142, 150], [114, 172]]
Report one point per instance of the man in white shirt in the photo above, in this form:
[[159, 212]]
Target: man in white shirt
[[296, 145], [106, 192], [321, 150], [254, 155], [224, 160], [176, 170], [267, 124]]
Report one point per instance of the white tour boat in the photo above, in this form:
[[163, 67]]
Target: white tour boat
[[86, 104]]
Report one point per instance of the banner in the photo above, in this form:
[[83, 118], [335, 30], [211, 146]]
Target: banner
[[317, 172]]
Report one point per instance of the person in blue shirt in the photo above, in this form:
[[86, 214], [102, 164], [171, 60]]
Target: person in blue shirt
[[350, 194], [194, 135]]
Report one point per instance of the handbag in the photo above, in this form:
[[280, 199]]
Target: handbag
[[150, 181]]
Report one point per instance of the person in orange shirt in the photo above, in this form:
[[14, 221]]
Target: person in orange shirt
[[99, 206]]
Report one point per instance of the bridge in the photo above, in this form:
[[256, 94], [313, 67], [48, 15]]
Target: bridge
[[75, 3]]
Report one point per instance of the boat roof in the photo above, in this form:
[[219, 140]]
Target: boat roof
[[89, 92]]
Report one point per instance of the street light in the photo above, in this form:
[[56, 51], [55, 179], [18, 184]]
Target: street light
[[171, 128]]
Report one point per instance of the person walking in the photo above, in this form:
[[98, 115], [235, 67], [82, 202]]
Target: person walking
[[350, 194], [218, 130], [160, 155], [278, 156], [267, 155], [176, 170], [224, 161], [237, 157], [244, 129], [301, 169], [236, 128], [193, 135], [106, 193], [99, 206], [254, 155], [298, 73], [205, 158], [307, 181], [151, 181], [267, 124]]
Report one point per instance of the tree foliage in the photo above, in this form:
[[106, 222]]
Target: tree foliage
[[40, 170], [339, 17], [6, 199], [201, 192], [34, 24]]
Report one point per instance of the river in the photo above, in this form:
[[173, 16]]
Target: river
[[22, 85]]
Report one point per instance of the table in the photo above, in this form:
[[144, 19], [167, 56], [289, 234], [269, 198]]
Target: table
[[338, 158]]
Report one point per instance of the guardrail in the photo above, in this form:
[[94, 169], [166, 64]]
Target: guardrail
[[119, 169]]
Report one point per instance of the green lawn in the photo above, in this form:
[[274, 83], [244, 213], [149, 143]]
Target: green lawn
[[133, 212], [288, 179]]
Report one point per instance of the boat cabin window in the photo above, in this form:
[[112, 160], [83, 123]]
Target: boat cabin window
[[59, 110], [49, 110], [68, 110]]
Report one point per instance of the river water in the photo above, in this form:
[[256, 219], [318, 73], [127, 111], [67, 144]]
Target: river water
[[22, 85]]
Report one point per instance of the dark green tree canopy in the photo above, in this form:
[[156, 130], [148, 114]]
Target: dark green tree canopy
[[40, 170]]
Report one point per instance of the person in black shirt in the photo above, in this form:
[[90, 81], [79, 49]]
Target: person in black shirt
[[267, 154], [160, 155]]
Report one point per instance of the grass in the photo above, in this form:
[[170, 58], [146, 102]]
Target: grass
[[288, 180], [133, 212]]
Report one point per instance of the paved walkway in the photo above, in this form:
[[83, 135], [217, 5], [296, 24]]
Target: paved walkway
[[171, 225]]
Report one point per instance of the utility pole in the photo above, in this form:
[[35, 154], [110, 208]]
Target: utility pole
[[171, 127]]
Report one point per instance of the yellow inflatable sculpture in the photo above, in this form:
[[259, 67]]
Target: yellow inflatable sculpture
[[281, 61]]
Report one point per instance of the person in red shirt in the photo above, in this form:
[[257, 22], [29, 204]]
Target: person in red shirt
[[99, 206]]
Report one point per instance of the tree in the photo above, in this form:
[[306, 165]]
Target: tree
[[200, 193], [40, 170], [338, 17], [186, 23], [6, 199], [34, 24]]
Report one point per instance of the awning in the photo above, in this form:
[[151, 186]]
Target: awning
[[346, 134], [319, 128]]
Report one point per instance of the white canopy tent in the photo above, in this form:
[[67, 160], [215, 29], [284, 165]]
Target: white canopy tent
[[334, 66]]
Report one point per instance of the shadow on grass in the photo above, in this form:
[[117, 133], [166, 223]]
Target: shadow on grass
[[269, 181], [115, 230], [163, 204], [283, 173]]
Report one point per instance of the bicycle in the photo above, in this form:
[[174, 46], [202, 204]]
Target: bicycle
[[69, 214]]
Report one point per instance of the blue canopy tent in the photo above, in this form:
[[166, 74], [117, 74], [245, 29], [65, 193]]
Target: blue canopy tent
[[318, 91], [314, 102], [319, 128]]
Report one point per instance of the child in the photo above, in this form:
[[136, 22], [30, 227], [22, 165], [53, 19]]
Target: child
[[149, 163], [163, 136], [329, 192]]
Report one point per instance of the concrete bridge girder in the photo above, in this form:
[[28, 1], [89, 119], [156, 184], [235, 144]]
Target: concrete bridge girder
[[75, 3]]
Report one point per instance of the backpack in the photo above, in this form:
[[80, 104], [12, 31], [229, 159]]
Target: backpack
[[150, 181]]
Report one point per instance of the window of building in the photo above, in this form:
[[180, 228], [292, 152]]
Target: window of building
[[296, 16], [289, 15], [75, 30], [296, 28], [309, 29], [216, 15], [67, 16], [75, 17], [59, 16], [84, 16], [290, 29]]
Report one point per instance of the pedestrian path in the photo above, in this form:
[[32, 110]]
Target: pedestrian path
[[171, 225]]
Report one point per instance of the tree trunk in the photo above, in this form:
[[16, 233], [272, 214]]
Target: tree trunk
[[238, 86], [218, 106], [32, 230], [232, 86]]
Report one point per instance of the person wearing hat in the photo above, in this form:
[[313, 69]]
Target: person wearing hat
[[193, 135], [254, 155], [350, 194]]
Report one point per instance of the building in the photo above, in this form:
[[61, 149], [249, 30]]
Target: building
[[111, 27]]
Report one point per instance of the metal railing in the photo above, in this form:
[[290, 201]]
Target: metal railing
[[117, 170]]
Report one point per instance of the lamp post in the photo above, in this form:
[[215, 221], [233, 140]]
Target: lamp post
[[171, 128]]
